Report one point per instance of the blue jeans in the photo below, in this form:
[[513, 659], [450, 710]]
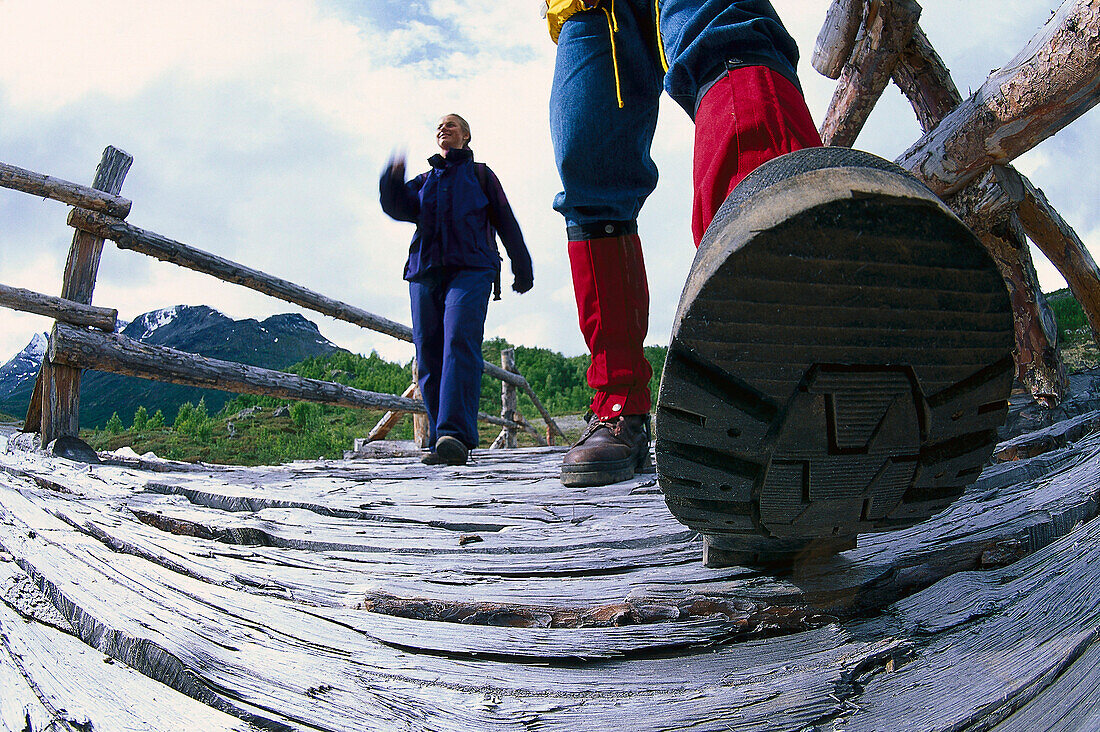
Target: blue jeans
[[602, 147], [448, 316]]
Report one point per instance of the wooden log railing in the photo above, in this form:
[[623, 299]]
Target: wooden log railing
[[58, 308], [967, 143], [97, 216], [128, 236], [86, 349], [73, 194]]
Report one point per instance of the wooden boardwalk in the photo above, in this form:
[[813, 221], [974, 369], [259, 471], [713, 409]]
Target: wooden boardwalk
[[385, 595]]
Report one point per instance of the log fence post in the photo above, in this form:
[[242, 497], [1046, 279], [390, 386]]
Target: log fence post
[[55, 404], [421, 430], [508, 403]]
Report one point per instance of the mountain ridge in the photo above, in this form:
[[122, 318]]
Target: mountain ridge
[[275, 343]]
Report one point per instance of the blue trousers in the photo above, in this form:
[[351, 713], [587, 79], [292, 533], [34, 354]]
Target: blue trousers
[[448, 316], [603, 104]]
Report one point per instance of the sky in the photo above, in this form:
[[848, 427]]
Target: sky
[[258, 130]]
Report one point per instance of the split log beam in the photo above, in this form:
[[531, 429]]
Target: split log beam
[[67, 311], [116, 353], [863, 79], [73, 194], [390, 419], [1048, 85], [837, 37], [127, 236], [55, 402]]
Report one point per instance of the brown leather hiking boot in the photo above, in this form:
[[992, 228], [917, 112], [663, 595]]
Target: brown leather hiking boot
[[609, 451]]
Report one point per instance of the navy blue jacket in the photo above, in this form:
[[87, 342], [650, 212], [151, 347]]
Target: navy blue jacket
[[451, 213]]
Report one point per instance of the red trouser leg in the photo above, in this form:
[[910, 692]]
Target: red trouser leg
[[609, 282], [748, 117]]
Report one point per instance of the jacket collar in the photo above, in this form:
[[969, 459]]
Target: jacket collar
[[454, 155]]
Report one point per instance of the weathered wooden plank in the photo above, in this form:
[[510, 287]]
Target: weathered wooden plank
[[995, 641], [1048, 85], [67, 311], [781, 683], [73, 194], [186, 609], [57, 407], [50, 679], [837, 36], [869, 69]]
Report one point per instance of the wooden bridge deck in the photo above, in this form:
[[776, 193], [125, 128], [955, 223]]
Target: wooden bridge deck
[[384, 595]]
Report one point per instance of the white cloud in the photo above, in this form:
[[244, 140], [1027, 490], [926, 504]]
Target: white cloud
[[259, 127]]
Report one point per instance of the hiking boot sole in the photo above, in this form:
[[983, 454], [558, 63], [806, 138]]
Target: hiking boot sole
[[451, 450], [590, 474], [840, 360]]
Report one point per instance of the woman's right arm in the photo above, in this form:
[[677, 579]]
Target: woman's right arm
[[399, 199]]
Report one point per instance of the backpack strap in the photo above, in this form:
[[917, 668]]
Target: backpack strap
[[481, 170]]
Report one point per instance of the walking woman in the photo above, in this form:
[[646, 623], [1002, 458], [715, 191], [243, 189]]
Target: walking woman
[[458, 207]]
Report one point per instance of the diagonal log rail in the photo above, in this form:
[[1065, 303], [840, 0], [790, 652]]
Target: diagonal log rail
[[128, 236], [58, 308], [1048, 85], [926, 82], [57, 189], [116, 353]]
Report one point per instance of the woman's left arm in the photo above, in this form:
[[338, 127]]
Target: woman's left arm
[[510, 235]]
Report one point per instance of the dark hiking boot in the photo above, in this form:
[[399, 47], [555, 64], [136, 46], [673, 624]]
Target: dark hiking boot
[[609, 451], [840, 361], [450, 450]]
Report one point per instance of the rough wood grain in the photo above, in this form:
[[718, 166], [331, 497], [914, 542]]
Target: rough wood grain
[[837, 37], [887, 30], [503, 600], [73, 194], [67, 311], [925, 81], [1052, 82]]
